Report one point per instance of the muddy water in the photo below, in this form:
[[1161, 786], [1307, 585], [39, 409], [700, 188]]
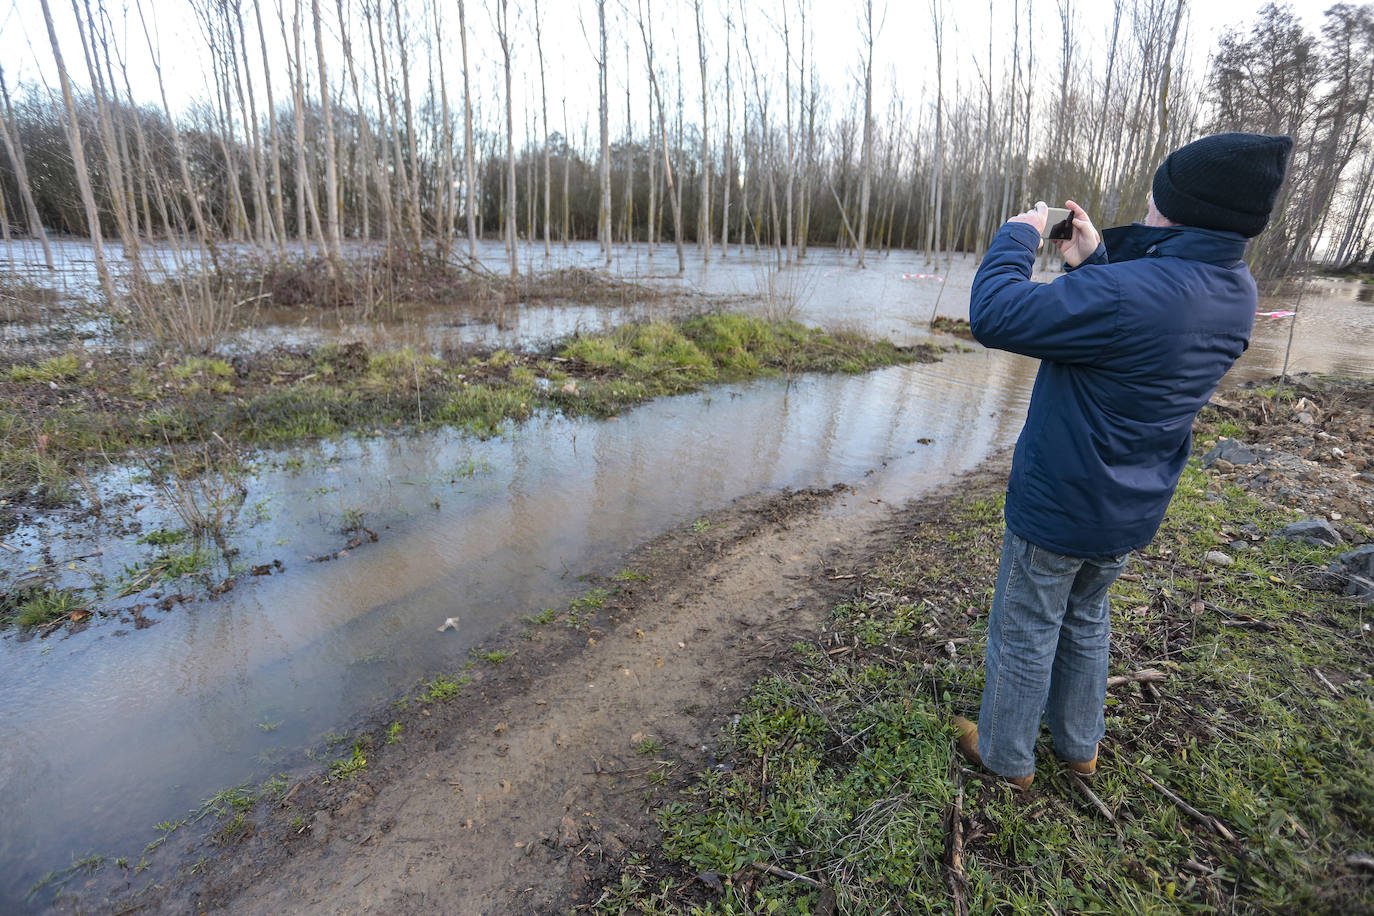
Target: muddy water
[[110, 731], [107, 735], [895, 296]]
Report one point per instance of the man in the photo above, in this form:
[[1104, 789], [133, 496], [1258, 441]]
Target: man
[[1133, 340]]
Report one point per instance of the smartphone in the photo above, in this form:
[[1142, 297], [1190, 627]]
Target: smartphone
[[1058, 224]]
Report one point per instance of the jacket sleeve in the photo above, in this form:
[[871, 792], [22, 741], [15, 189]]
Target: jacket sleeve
[[1072, 320]]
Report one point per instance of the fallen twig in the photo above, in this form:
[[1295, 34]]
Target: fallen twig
[[8, 547], [955, 875], [1329, 686], [1205, 820], [1249, 624], [1143, 676], [1360, 860], [784, 873], [1091, 796]]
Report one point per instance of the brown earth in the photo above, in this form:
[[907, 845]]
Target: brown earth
[[527, 793]]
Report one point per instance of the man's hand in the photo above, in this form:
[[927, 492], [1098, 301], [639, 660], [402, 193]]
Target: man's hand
[[1085, 236], [1035, 217]]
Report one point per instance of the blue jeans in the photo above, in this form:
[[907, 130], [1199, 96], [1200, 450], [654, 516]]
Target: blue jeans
[[1048, 638]]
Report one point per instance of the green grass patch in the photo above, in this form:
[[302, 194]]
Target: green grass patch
[[545, 616], [163, 537], [443, 688], [350, 766], [35, 608], [54, 369]]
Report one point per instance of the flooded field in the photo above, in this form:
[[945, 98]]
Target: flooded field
[[134, 721]]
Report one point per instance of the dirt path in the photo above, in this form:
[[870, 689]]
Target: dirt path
[[516, 796]]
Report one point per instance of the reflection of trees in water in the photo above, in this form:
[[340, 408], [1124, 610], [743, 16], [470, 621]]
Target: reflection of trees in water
[[1334, 334]]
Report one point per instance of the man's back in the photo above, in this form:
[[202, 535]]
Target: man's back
[[1133, 344]]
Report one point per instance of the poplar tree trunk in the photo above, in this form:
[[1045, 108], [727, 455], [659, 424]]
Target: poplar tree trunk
[[544, 108], [729, 154], [503, 36], [278, 208], [602, 65], [413, 181], [705, 229], [469, 154], [567, 175], [331, 168], [937, 198], [866, 164], [21, 174], [83, 177], [787, 105]]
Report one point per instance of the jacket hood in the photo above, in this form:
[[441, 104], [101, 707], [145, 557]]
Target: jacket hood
[[1212, 246]]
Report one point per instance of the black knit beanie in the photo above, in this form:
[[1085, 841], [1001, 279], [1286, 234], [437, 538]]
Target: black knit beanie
[[1225, 181]]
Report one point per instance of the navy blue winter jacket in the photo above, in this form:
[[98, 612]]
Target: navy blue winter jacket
[[1132, 344]]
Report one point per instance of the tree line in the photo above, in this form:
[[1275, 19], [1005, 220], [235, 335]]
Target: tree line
[[370, 120]]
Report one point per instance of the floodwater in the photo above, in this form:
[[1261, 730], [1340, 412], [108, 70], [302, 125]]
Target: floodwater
[[895, 296], [109, 731]]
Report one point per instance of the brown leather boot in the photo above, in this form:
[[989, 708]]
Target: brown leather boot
[[1087, 768], [967, 742]]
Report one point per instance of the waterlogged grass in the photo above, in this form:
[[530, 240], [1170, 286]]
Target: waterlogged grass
[[842, 768], [30, 610], [280, 397], [443, 688], [350, 766]]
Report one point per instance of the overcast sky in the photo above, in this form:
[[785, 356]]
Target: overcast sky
[[904, 55]]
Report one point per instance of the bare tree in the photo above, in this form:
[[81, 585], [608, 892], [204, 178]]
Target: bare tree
[[503, 36], [21, 174], [728, 164], [331, 180], [646, 31], [544, 108], [469, 154], [83, 176], [705, 229], [937, 185], [602, 64], [866, 165]]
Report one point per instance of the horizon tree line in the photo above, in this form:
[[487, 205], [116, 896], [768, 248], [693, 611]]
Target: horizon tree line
[[355, 123]]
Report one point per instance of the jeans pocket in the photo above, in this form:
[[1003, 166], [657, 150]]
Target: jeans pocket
[[1048, 563]]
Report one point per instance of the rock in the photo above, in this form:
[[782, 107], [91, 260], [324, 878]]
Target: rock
[[1231, 450], [1358, 562], [1305, 418], [1361, 588], [1217, 558], [569, 834], [1315, 531]]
